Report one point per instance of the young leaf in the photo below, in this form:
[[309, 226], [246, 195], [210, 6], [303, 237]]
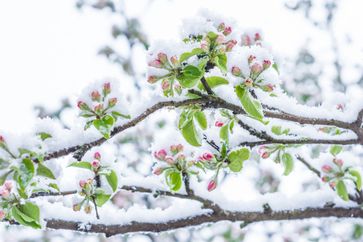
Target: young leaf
[[202, 120], [27, 214], [4, 176], [276, 130], [221, 62], [112, 180], [189, 76], [223, 133], [335, 149], [174, 180], [43, 136], [236, 159], [81, 164], [190, 134], [104, 125], [42, 170], [101, 199], [213, 81], [288, 163], [342, 190], [186, 55], [250, 105], [25, 173], [358, 178]]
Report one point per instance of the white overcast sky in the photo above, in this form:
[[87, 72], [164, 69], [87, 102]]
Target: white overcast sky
[[48, 49]]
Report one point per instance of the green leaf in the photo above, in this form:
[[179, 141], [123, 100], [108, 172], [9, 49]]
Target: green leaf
[[358, 178], [54, 186], [27, 214], [4, 176], [104, 125], [274, 65], [250, 105], [189, 76], [186, 55], [224, 133], [201, 118], [342, 190], [213, 81], [221, 62], [173, 180], [335, 149], [102, 199], [118, 114], [25, 173], [288, 163], [237, 157], [112, 180], [44, 136], [276, 130], [42, 170], [81, 164], [190, 134]]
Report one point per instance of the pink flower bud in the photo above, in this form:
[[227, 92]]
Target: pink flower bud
[[173, 149], [106, 88], [165, 85], [155, 63], [97, 156], [96, 96], [158, 171], [180, 147], [82, 183], [212, 185], [332, 184], [257, 36], [236, 71], [160, 155], [220, 39], [265, 155], [152, 79], [4, 192], [230, 44], [8, 185], [338, 162], [98, 107], [112, 102], [207, 156], [181, 157], [251, 58], [266, 64], [261, 149], [256, 68], [204, 45], [169, 160], [95, 164], [82, 105], [246, 40], [163, 58], [326, 168], [2, 214], [227, 31], [325, 178], [174, 60], [219, 124], [2, 140], [269, 87], [248, 82], [221, 27], [340, 107]]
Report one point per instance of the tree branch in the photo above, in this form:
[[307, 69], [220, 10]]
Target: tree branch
[[247, 217]]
